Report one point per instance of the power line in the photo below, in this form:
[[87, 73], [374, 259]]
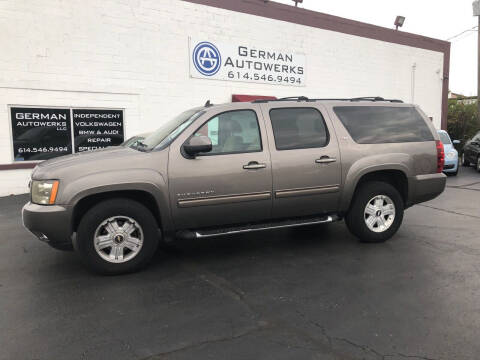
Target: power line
[[463, 32]]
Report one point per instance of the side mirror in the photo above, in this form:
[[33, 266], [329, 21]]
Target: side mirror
[[456, 142], [197, 144]]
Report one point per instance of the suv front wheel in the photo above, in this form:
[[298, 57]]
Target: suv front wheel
[[376, 212], [117, 236]]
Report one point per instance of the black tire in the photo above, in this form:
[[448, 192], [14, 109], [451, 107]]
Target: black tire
[[464, 161], [84, 243], [477, 166], [355, 218]]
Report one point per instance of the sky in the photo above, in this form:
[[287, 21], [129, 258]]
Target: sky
[[440, 19]]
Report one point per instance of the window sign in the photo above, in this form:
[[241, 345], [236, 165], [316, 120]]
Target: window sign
[[96, 129], [40, 133], [44, 133]]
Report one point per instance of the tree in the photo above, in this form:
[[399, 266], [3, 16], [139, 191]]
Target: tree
[[462, 121]]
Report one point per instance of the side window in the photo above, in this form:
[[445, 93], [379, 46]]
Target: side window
[[383, 124], [298, 128], [233, 132]]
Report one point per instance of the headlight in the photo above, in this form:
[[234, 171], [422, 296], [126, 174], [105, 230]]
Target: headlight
[[44, 192], [451, 155]]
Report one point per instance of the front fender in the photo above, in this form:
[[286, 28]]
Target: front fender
[[119, 180], [397, 161]]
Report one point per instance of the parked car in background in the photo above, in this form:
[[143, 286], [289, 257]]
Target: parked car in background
[[451, 154], [471, 152], [133, 140], [240, 167]]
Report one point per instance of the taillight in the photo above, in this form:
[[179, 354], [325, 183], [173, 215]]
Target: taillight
[[440, 156]]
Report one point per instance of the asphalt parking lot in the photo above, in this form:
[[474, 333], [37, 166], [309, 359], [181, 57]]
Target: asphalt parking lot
[[311, 293]]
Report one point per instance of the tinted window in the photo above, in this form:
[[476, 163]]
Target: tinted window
[[383, 124], [298, 128], [444, 138], [233, 132]]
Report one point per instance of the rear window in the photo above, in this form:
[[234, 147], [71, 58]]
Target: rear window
[[444, 138], [383, 124]]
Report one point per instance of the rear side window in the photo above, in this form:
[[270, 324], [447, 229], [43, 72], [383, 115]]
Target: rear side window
[[444, 138], [383, 124], [298, 128]]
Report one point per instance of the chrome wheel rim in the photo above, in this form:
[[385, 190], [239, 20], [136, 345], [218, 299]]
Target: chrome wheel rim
[[379, 213], [118, 239]]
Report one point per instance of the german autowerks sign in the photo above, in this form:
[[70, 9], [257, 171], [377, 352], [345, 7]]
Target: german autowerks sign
[[237, 62], [40, 133]]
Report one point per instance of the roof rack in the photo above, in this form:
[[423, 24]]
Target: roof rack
[[304, 98], [289, 98]]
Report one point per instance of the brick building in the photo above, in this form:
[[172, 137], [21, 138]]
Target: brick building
[[69, 65]]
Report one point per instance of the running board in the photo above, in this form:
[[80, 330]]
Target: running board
[[206, 233]]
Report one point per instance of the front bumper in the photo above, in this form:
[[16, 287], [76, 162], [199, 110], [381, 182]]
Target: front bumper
[[450, 166], [425, 187], [49, 223]]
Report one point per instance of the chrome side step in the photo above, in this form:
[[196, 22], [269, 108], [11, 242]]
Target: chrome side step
[[207, 233]]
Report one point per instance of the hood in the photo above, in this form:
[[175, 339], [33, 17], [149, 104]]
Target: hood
[[84, 163]]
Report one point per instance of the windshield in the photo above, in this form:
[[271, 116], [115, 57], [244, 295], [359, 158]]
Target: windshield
[[168, 131], [132, 141], [444, 138]]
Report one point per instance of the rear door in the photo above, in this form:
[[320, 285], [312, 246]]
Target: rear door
[[232, 184], [305, 159]]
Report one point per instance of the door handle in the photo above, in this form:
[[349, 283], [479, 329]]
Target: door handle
[[325, 160], [253, 165]]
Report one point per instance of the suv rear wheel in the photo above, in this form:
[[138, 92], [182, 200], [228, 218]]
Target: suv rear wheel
[[376, 212], [117, 236]]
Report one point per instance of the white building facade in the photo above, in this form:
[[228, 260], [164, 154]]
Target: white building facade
[[116, 68]]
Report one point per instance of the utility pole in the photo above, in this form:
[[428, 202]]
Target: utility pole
[[478, 71], [476, 12]]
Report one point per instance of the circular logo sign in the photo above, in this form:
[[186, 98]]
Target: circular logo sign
[[206, 58]]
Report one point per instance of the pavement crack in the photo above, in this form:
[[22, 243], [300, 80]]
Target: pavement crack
[[463, 186], [411, 356], [449, 211], [220, 283], [364, 348], [202, 343]]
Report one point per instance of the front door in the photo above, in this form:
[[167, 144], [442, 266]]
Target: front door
[[232, 184], [305, 159]]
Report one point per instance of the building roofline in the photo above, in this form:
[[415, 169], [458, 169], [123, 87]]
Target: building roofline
[[295, 15]]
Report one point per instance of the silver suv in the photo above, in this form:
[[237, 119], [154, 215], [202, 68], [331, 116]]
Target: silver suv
[[240, 167]]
